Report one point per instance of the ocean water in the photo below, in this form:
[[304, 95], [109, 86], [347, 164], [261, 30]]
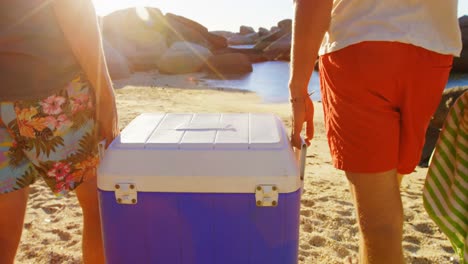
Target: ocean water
[[270, 81]]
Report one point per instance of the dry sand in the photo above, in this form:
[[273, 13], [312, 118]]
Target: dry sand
[[328, 231]]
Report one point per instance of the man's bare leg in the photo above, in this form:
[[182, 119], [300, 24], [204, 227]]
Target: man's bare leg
[[12, 211], [92, 245], [380, 216], [400, 178]]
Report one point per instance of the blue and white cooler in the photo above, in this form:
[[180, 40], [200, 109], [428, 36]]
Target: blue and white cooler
[[202, 189]]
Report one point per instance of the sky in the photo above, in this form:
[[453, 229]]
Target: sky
[[224, 14]]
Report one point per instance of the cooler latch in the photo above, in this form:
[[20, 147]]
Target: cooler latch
[[126, 193], [266, 195]]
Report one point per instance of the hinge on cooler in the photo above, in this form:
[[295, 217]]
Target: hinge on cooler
[[266, 195], [126, 193]]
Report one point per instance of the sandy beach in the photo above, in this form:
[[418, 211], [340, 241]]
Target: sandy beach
[[328, 231]]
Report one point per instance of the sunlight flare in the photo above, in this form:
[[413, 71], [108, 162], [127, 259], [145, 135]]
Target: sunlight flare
[[142, 13]]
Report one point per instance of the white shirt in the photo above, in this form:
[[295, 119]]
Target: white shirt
[[430, 24]]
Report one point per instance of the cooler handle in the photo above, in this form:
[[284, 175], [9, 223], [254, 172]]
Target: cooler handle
[[301, 158], [205, 126], [101, 149]]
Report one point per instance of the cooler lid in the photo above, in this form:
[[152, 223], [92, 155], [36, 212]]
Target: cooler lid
[[188, 131], [203, 153]]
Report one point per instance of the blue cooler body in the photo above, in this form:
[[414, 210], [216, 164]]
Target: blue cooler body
[[201, 188]]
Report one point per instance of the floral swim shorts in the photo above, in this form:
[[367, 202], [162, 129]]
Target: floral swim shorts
[[54, 138]]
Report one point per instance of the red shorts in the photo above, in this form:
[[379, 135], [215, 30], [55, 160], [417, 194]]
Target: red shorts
[[378, 99]]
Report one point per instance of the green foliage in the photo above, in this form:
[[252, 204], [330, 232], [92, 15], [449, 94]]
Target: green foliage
[[27, 178]]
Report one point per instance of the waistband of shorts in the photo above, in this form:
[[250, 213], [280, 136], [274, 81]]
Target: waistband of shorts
[[390, 46]]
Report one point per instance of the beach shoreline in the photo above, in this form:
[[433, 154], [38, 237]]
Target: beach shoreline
[[193, 81]]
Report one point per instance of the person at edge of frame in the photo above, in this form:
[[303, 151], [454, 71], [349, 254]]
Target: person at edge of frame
[[383, 66], [56, 105]]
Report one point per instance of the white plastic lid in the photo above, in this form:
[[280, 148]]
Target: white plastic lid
[[186, 131], [201, 153]]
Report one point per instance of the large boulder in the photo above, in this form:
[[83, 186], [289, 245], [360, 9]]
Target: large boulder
[[134, 32], [252, 54], [285, 25], [187, 22], [283, 30], [239, 39], [280, 49], [225, 34], [263, 32], [449, 97], [180, 28], [245, 30], [126, 21], [183, 57], [154, 19], [141, 55], [267, 40], [273, 29], [432, 134], [215, 41], [117, 64], [461, 64], [229, 63]]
